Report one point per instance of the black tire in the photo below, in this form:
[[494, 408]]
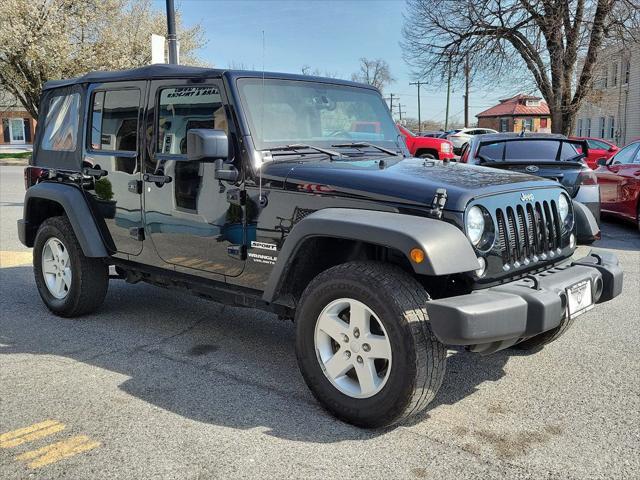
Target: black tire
[[90, 276], [419, 359], [536, 343], [427, 156]]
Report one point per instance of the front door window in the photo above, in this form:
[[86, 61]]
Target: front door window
[[16, 130]]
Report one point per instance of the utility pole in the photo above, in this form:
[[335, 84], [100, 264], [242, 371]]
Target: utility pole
[[446, 117], [172, 39], [400, 110], [466, 92], [418, 83], [390, 98]]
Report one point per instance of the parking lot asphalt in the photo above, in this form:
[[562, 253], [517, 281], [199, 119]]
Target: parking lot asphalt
[[157, 384]]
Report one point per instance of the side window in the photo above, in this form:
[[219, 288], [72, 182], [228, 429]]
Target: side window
[[114, 120], [183, 108], [61, 123], [625, 155], [180, 109], [596, 145]]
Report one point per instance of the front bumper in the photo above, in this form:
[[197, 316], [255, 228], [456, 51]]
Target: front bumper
[[505, 314]]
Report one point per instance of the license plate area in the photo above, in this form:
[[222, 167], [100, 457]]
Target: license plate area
[[579, 298]]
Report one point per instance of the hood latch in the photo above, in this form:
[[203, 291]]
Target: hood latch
[[438, 203]]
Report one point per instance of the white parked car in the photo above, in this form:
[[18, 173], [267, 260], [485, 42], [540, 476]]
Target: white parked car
[[461, 138]]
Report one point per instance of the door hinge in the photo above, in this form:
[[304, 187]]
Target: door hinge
[[135, 186], [237, 251], [137, 233], [237, 197]]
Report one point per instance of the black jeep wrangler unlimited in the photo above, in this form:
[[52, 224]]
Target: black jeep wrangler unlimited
[[297, 195]]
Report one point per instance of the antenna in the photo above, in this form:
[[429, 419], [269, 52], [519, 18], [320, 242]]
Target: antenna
[[261, 121]]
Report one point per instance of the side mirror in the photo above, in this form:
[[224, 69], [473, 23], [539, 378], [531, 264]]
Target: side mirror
[[613, 148], [205, 144], [226, 172], [601, 162]]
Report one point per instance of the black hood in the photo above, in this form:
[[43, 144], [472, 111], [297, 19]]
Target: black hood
[[410, 180]]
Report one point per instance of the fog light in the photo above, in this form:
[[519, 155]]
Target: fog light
[[572, 241], [417, 255], [483, 267]]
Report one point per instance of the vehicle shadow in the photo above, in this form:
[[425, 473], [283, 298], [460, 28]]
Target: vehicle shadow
[[209, 363]]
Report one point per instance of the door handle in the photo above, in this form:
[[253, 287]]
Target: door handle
[[95, 172], [157, 179]]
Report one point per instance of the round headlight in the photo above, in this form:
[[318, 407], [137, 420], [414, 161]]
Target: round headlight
[[475, 224], [563, 207]]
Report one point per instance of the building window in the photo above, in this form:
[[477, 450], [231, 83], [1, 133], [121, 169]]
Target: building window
[[579, 129], [612, 127], [602, 127], [527, 124], [588, 127], [504, 124], [543, 122], [627, 72], [614, 80]]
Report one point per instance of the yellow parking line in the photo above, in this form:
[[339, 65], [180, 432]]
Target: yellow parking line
[[13, 259], [57, 451], [28, 434]]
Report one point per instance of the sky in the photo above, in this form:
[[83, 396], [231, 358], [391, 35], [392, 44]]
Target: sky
[[328, 35]]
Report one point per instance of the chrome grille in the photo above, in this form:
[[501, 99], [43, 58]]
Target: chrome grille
[[528, 232]]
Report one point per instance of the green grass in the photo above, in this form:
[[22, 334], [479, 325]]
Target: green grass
[[15, 155]]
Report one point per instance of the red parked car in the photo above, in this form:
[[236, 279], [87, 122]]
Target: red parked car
[[619, 180], [598, 148], [427, 147]]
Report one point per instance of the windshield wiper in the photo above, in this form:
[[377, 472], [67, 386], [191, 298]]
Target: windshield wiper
[[302, 146], [365, 144]]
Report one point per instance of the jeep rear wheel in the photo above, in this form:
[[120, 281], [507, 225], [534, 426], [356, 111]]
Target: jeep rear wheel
[[69, 283], [365, 346]]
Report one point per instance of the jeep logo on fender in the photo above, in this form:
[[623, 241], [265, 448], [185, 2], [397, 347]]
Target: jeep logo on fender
[[527, 197]]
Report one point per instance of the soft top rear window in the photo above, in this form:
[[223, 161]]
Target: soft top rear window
[[527, 150], [61, 123]]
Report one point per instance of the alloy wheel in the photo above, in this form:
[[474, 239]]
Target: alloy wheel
[[353, 348], [56, 268]]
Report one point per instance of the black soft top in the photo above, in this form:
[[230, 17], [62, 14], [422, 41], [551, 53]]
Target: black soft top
[[160, 71], [143, 73]]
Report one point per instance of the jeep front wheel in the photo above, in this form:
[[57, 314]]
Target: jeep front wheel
[[365, 346], [69, 283]]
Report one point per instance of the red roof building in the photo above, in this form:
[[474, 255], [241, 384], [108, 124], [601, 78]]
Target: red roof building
[[517, 113]]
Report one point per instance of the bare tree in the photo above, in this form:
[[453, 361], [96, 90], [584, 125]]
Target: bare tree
[[555, 43], [45, 40], [315, 72], [374, 72]]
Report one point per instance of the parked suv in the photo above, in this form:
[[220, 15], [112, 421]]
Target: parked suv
[[547, 155], [460, 138], [262, 190]]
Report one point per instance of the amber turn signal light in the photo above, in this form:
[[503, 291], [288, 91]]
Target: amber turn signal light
[[417, 255]]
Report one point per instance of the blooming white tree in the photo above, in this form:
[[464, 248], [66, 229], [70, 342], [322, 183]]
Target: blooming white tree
[[43, 40]]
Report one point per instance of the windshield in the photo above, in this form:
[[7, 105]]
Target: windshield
[[284, 112], [527, 150]]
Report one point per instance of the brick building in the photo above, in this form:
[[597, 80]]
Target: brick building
[[612, 111], [515, 113], [16, 125]]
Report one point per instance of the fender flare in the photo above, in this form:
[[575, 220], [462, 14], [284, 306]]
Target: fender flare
[[587, 229], [77, 210], [447, 249]]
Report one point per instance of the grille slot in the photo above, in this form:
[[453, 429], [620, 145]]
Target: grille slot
[[527, 232]]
